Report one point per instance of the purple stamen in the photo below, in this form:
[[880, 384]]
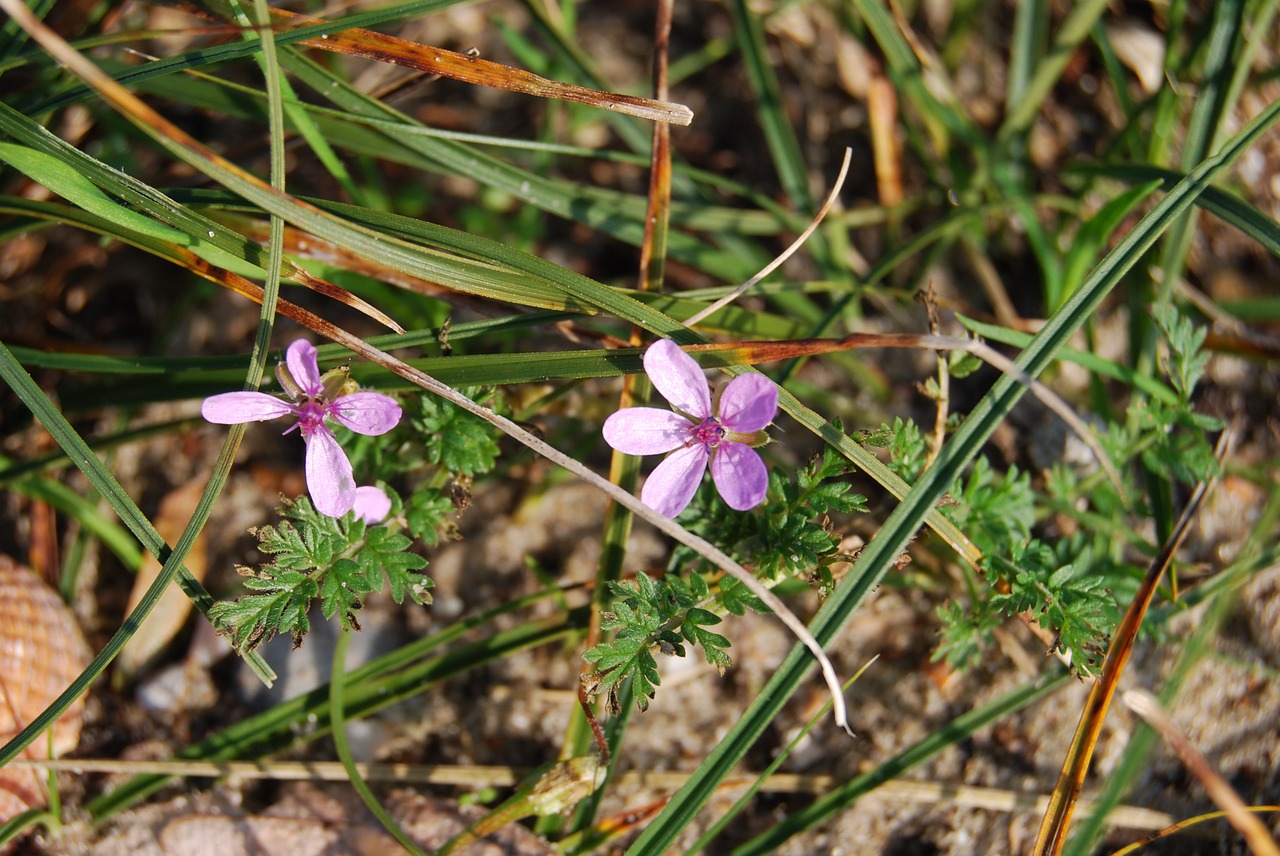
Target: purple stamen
[[708, 432]]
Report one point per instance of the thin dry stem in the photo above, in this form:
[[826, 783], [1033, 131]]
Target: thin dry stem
[[786, 254], [1047, 396], [496, 776], [1186, 823], [929, 298]]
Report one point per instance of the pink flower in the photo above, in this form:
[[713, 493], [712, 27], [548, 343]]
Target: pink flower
[[315, 398], [697, 433], [372, 505]]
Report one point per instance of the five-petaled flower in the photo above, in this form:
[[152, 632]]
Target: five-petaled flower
[[697, 433], [315, 398]]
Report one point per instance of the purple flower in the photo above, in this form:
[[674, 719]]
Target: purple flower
[[315, 398], [698, 433]]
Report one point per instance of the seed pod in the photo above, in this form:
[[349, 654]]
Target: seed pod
[[41, 652]]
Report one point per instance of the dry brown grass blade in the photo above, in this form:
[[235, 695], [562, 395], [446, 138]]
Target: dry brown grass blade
[[346, 298], [1057, 818], [653, 249], [882, 115], [1223, 795], [482, 72], [1185, 824]]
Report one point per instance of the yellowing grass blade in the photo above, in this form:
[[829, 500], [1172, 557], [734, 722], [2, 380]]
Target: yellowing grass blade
[[1057, 818]]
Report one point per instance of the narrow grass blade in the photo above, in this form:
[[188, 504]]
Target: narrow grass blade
[[1221, 203], [953, 732], [1207, 118], [338, 724], [402, 674], [780, 136], [1072, 32]]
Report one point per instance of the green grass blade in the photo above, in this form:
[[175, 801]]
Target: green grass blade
[[781, 138], [906, 72], [1092, 237], [1221, 203], [64, 179], [145, 198], [1207, 117], [1072, 32], [1030, 26], [13, 37]]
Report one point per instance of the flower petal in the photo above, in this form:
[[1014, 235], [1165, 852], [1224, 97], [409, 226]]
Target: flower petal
[[366, 412], [329, 479], [371, 504], [303, 365], [670, 487], [748, 403], [740, 475], [646, 431], [680, 380], [232, 408]]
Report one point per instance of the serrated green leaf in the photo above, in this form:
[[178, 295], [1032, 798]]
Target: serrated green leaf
[[425, 513], [457, 440], [341, 590], [703, 617], [386, 553]]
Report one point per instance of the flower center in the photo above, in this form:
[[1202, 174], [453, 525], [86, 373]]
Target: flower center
[[708, 432], [311, 415]]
